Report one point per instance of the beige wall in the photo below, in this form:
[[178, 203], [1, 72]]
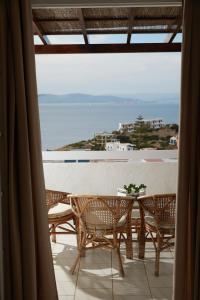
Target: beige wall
[[105, 178]]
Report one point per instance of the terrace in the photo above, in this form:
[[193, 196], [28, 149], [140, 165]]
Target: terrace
[[102, 172]]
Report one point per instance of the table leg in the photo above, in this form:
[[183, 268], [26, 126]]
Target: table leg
[[141, 235], [129, 245]]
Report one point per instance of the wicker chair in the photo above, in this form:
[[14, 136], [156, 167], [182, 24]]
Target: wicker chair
[[59, 213], [100, 217], [158, 214]]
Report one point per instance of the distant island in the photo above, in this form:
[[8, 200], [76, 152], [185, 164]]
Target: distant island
[[80, 98]]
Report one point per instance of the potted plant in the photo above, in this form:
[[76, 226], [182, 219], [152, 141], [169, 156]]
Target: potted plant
[[133, 189]]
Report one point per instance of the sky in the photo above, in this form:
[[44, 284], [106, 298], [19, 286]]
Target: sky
[[113, 74]]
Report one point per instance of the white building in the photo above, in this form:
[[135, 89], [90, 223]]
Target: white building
[[117, 146], [103, 137], [152, 123], [126, 127], [173, 141]]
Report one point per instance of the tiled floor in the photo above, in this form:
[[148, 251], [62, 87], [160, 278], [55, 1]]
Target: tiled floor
[[98, 277]]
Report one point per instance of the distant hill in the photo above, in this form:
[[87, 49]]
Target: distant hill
[[89, 99], [156, 98], [85, 98]]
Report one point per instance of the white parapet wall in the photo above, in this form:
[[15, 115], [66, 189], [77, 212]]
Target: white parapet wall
[[106, 177], [136, 155]]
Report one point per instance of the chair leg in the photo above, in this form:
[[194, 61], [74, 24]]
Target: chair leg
[[76, 222], [117, 247], [53, 235], [129, 245], [121, 269], [157, 262], [73, 268], [81, 237], [80, 249], [141, 236]]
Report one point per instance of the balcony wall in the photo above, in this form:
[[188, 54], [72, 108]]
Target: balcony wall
[[107, 177]]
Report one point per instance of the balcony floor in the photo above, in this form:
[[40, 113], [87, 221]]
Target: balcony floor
[[98, 277]]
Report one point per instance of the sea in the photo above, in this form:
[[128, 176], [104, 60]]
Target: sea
[[66, 123]]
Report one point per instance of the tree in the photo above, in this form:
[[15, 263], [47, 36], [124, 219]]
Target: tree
[[123, 138], [174, 127], [140, 131]]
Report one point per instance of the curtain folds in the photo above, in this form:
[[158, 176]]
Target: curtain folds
[[28, 267], [187, 262]]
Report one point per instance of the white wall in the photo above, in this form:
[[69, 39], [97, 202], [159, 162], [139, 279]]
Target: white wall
[[135, 155], [105, 178]]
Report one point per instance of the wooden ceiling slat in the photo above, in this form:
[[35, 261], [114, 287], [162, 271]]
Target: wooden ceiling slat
[[171, 36], [37, 30], [111, 31], [83, 27], [165, 20], [130, 25]]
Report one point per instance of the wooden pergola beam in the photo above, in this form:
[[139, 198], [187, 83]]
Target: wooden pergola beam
[[37, 29], [130, 25], [171, 36], [105, 3], [110, 18], [83, 27], [107, 48], [110, 31]]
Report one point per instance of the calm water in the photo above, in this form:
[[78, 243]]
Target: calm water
[[62, 124]]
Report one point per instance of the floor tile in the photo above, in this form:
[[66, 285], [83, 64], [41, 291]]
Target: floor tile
[[160, 281], [132, 272], [93, 294], [166, 268], [93, 262], [95, 282], [63, 274], [161, 293], [164, 254], [124, 287], [66, 297], [98, 270], [132, 297], [65, 288]]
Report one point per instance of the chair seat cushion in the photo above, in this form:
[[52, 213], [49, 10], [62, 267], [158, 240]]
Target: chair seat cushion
[[162, 225], [94, 222], [59, 210]]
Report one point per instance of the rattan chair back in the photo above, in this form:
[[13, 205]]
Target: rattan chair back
[[162, 207], [60, 223], [55, 197], [101, 211]]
